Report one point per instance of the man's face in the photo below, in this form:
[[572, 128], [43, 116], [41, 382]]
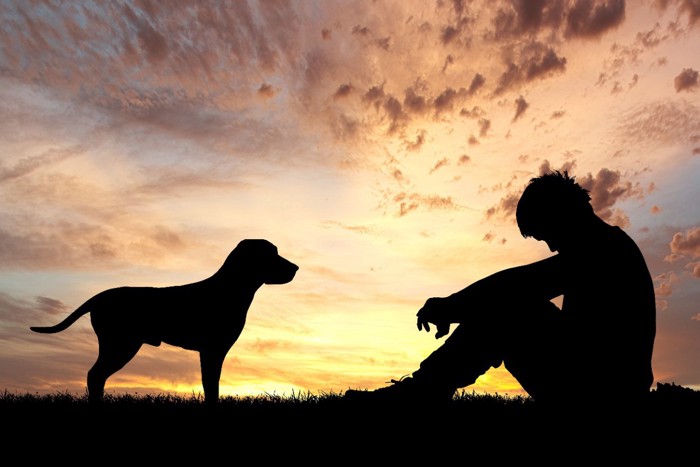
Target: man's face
[[554, 235], [552, 243]]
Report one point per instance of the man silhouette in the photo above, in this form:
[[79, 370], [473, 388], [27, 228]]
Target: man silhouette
[[596, 348]]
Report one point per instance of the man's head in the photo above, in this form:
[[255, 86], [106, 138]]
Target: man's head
[[552, 207]]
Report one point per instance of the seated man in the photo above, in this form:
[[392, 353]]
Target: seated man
[[597, 347]]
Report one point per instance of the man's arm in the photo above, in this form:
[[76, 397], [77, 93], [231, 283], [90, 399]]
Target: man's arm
[[537, 281]]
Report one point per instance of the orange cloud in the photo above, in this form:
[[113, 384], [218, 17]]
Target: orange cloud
[[665, 283], [441, 163], [521, 106], [534, 61], [591, 19], [685, 244], [343, 90], [266, 91], [408, 202]]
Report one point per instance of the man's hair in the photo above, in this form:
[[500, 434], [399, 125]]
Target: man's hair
[[551, 198]]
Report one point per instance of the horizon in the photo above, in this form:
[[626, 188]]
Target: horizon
[[381, 146]]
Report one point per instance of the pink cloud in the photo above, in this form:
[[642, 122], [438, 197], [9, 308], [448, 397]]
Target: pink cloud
[[687, 80]]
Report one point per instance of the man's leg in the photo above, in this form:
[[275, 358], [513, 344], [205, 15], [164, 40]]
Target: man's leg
[[540, 353], [471, 349], [517, 334]]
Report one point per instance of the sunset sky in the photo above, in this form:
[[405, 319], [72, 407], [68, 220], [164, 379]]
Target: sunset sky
[[381, 145]]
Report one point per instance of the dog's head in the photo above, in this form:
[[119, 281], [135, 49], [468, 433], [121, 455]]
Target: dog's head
[[259, 260]]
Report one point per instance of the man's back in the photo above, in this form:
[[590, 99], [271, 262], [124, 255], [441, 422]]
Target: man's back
[[609, 295]]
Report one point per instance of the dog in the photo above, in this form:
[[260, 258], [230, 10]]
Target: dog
[[206, 316]]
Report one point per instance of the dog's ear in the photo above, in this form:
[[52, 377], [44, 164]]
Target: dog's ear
[[257, 245], [250, 254]]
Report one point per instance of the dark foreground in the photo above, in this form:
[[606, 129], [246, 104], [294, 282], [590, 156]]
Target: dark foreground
[[308, 426]]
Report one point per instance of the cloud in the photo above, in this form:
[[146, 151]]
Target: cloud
[[695, 268], [404, 203], [449, 60], [532, 61], [576, 19], [375, 96], [491, 236], [445, 101], [475, 112], [397, 116], [687, 80], [415, 102], [361, 229], [651, 38], [505, 208], [689, 7], [484, 126], [29, 164], [51, 306], [23, 312], [518, 18], [557, 114], [415, 145], [521, 106], [448, 34], [87, 245], [17, 314], [153, 44], [441, 163], [464, 159], [343, 90], [665, 283], [607, 188], [661, 122], [130, 54], [477, 83], [546, 167], [588, 18], [685, 245], [692, 9], [267, 91]]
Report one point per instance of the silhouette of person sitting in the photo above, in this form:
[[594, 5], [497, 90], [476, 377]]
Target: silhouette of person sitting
[[596, 348]]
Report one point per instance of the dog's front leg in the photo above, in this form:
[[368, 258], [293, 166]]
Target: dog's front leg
[[211, 362]]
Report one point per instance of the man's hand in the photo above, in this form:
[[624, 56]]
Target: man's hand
[[433, 312]]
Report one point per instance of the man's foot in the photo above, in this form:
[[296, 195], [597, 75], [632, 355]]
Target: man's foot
[[407, 389]]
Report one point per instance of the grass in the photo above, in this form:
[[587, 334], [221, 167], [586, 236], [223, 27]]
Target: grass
[[307, 426], [665, 399], [301, 401]]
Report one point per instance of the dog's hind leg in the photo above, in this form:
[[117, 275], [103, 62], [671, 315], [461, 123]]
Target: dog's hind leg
[[113, 355], [211, 362]]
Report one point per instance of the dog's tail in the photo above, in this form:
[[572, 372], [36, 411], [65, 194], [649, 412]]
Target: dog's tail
[[70, 319]]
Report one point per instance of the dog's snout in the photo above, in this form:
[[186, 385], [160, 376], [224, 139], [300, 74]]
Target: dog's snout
[[283, 273], [291, 267]]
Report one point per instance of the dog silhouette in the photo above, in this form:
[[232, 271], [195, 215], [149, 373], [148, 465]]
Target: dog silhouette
[[206, 316]]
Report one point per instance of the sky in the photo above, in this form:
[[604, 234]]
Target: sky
[[380, 145]]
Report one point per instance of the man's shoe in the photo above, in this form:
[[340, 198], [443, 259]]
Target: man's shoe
[[404, 390]]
